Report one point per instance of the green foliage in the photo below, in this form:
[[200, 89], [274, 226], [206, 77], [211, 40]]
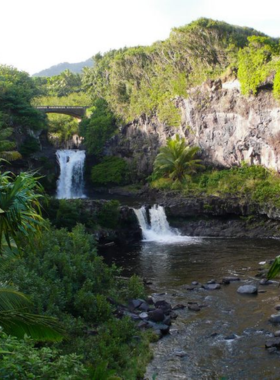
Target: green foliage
[[97, 129], [67, 213], [67, 279], [16, 319], [255, 63], [149, 79], [29, 146], [21, 211], [276, 83], [16, 92], [108, 216], [274, 270], [176, 160], [6, 144], [20, 359], [111, 171], [135, 287]]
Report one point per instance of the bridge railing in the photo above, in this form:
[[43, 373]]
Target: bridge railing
[[60, 107]]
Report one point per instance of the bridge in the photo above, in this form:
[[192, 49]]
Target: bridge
[[74, 111]]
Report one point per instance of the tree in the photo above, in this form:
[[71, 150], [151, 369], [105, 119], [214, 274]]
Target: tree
[[16, 319], [20, 213], [176, 160], [7, 145]]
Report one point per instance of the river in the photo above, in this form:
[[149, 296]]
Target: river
[[226, 339]]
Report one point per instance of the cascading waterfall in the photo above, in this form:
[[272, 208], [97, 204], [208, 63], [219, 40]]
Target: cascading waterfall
[[70, 184], [158, 229]]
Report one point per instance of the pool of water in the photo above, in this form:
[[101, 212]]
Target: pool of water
[[202, 338]]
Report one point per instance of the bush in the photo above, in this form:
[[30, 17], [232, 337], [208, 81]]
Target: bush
[[20, 359], [111, 171], [29, 147], [108, 216]]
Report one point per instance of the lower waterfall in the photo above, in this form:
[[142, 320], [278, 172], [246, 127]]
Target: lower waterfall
[[70, 184], [155, 226]]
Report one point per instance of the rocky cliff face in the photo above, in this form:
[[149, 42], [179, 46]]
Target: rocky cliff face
[[229, 128]]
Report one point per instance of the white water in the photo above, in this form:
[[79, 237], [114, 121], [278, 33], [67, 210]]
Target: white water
[[70, 184], [158, 229]]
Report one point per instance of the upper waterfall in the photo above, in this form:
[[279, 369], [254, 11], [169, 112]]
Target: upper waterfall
[[71, 179]]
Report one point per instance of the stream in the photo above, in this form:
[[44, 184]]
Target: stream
[[226, 339]]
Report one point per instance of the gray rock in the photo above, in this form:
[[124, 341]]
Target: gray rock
[[277, 334], [264, 281], [274, 318], [194, 307], [247, 289], [164, 306], [194, 283], [274, 342], [156, 315], [211, 282], [135, 303], [144, 306], [178, 307], [277, 307], [143, 315], [230, 279], [212, 286], [180, 353]]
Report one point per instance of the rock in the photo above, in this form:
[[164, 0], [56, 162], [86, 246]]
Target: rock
[[274, 342], [262, 291], [164, 306], [264, 281], [159, 326], [230, 279], [211, 282], [274, 318], [230, 337], [212, 286], [189, 288], [133, 316], [271, 350], [179, 306], [277, 307], [247, 289], [144, 306], [277, 334], [143, 325], [143, 315], [150, 300], [173, 315], [180, 353], [134, 303], [194, 283], [167, 321], [194, 307], [156, 315]]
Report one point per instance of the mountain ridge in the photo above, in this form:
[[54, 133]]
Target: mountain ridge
[[59, 68]]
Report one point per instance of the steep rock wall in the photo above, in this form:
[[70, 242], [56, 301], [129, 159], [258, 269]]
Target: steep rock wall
[[231, 128], [228, 127]]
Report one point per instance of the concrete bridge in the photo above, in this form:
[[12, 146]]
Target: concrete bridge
[[74, 111]]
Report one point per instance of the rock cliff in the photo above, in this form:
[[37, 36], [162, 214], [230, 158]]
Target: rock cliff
[[227, 126]]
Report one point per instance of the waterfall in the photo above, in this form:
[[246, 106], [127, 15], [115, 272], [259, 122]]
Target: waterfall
[[71, 180], [158, 229]]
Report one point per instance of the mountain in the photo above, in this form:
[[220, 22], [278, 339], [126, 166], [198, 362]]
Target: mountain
[[57, 69]]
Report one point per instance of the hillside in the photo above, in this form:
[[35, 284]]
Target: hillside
[[58, 69]]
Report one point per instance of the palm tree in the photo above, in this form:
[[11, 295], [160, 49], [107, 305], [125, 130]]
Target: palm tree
[[20, 213], [176, 160], [16, 319], [20, 217]]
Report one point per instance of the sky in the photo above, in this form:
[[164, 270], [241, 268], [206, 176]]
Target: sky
[[37, 34]]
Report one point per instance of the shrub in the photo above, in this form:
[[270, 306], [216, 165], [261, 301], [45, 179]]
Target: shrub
[[111, 171]]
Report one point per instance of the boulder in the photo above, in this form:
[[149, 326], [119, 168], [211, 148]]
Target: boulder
[[156, 315], [274, 318], [164, 306], [211, 286], [247, 289], [274, 342]]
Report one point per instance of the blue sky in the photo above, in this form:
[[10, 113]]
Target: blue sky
[[36, 34]]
